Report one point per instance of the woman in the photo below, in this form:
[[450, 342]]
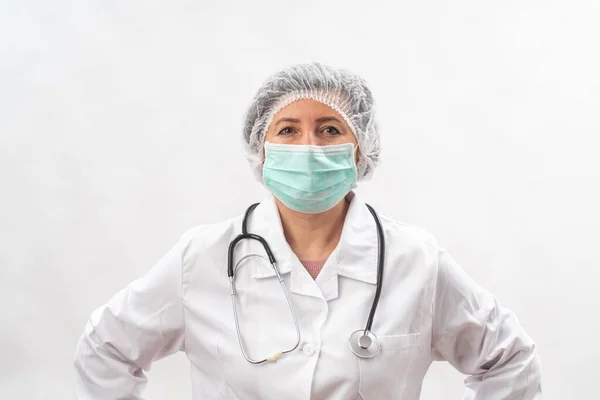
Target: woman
[[310, 135]]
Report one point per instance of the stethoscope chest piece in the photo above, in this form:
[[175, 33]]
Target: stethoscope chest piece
[[364, 343]]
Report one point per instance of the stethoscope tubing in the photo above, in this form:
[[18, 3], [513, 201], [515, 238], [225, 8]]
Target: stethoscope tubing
[[357, 348], [380, 264]]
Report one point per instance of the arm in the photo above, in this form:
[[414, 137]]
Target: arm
[[142, 323], [482, 339]]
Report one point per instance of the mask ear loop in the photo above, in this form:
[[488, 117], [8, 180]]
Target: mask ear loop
[[357, 155], [359, 161]]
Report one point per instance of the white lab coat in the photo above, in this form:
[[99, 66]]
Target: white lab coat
[[429, 310]]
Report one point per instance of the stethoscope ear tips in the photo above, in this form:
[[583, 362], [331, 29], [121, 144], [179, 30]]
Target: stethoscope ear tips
[[364, 343]]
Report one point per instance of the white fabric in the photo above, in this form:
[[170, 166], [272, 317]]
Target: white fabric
[[429, 309], [342, 90]]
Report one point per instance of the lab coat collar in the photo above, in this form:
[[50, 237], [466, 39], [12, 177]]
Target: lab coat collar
[[355, 256]]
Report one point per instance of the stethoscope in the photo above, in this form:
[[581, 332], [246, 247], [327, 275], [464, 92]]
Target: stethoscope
[[362, 342]]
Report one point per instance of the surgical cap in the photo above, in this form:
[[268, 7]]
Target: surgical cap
[[340, 89]]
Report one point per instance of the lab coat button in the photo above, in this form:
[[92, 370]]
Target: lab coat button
[[309, 349]]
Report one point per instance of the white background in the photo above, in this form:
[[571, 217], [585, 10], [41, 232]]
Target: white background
[[120, 125]]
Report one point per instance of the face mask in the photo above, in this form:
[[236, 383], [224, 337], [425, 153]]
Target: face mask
[[309, 179]]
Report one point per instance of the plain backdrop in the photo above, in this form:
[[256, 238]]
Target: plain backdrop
[[120, 128]]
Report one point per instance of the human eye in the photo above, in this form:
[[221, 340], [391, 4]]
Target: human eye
[[332, 130], [286, 131]]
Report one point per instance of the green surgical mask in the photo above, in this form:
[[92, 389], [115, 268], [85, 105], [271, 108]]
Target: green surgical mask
[[309, 179]]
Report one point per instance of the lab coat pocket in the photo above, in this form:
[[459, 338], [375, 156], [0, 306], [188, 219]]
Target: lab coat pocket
[[385, 375]]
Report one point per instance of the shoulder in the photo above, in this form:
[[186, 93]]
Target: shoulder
[[408, 234], [413, 247], [412, 257], [204, 237]]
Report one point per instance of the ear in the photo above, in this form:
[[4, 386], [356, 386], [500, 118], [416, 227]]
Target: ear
[[263, 153]]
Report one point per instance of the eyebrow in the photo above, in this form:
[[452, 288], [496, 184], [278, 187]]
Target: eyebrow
[[327, 119], [294, 120], [318, 120]]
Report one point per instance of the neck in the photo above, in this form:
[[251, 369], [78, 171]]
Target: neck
[[313, 236]]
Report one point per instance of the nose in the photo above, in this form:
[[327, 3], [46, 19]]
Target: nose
[[309, 137]]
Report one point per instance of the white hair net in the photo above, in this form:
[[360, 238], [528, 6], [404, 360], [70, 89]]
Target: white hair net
[[342, 90]]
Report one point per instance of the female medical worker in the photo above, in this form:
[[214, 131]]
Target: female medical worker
[[305, 328]]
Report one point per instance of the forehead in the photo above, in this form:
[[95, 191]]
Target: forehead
[[307, 108]]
